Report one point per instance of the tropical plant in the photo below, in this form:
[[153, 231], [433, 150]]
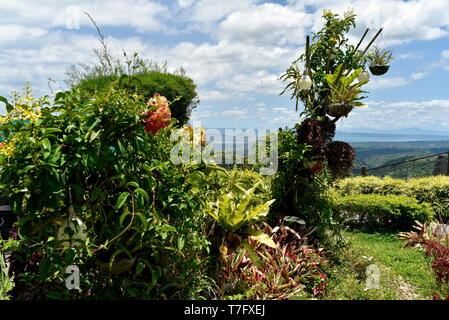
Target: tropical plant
[[329, 50], [379, 57], [93, 156], [342, 88], [291, 270], [235, 218], [6, 281]]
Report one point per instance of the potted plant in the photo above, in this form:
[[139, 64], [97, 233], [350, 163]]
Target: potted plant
[[379, 61], [344, 95]]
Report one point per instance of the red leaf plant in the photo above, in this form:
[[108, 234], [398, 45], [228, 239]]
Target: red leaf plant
[[292, 269]]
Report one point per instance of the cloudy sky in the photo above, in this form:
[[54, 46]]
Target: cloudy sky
[[235, 50]]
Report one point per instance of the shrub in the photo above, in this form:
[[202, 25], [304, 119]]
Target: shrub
[[301, 184], [176, 87], [92, 159], [434, 190], [382, 211]]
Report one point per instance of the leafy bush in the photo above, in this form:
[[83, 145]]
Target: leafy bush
[[91, 160], [434, 190], [176, 87], [301, 185], [382, 211]]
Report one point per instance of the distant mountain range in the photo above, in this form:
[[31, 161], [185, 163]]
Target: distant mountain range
[[408, 131], [394, 135]]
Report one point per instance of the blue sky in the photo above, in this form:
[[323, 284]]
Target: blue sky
[[235, 50]]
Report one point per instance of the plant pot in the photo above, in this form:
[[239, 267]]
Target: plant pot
[[117, 267], [339, 109], [379, 70]]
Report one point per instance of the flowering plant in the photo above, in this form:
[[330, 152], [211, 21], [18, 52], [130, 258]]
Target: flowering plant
[[158, 117]]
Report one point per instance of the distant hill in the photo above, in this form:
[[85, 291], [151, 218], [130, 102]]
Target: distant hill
[[389, 136], [375, 154]]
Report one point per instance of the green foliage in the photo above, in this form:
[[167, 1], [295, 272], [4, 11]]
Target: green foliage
[[93, 155], [298, 190], [343, 90], [232, 212], [376, 212], [434, 190], [236, 218], [173, 86], [329, 50], [6, 281], [378, 57]]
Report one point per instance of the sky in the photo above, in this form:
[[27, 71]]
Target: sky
[[235, 51]]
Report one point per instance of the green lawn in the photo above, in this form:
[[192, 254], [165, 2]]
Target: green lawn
[[405, 273]]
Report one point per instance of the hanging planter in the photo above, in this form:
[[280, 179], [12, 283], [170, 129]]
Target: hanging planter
[[363, 76], [305, 82], [379, 70], [379, 61], [71, 234], [339, 109]]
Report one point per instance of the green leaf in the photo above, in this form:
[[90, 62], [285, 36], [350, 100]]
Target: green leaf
[[143, 193], [139, 267], [252, 254], [133, 184], [94, 135], [263, 238], [122, 199], [181, 242], [46, 143], [8, 106], [51, 130], [123, 216]]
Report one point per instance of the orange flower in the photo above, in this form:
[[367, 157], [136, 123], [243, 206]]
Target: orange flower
[[2, 144], [158, 119]]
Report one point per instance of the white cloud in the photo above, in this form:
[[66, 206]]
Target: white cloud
[[418, 75], [143, 15], [402, 114], [445, 54], [235, 112], [266, 25], [386, 83]]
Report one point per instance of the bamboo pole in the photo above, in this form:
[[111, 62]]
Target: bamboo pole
[[361, 40], [308, 70], [358, 45], [371, 42]]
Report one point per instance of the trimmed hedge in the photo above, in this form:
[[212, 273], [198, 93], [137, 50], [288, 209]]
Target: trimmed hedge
[[171, 86], [434, 190], [392, 212]]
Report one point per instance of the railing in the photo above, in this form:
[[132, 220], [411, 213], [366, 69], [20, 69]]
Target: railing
[[430, 165]]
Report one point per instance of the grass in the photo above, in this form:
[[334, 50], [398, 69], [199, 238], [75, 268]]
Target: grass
[[405, 273]]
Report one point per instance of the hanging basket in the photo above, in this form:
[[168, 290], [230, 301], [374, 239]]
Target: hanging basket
[[117, 267], [379, 70], [339, 109]]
